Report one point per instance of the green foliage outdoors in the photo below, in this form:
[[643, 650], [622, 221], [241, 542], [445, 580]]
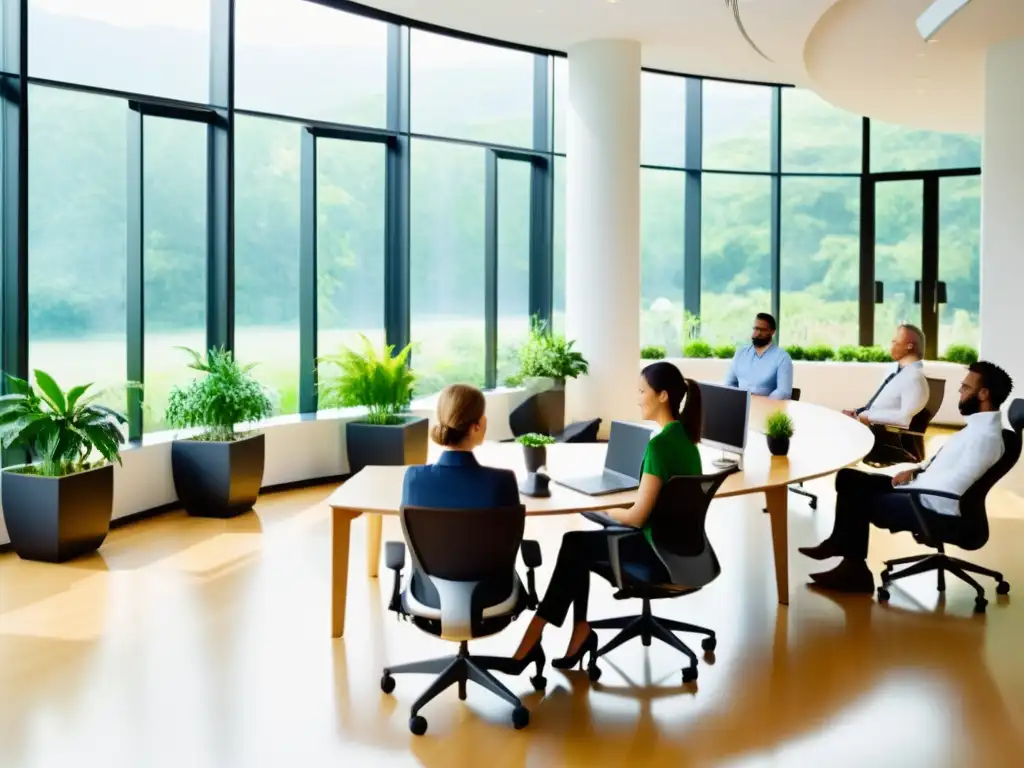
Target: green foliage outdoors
[[698, 349], [873, 355], [652, 353], [534, 440], [61, 429], [547, 355], [819, 353], [225, 396], [962, 354], [796, 352], [848, 354], [725, 351], [381, 382], [778, 425]]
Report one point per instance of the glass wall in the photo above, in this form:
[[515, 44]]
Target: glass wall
[[763, 212]]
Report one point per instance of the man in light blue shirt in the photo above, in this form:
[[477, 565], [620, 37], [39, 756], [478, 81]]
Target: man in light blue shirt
[[762, 368]]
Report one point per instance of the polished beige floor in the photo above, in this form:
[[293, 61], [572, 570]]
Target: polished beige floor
[[200, 643]]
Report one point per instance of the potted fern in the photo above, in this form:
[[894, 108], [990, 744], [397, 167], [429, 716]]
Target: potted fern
[[778, 430], [58, 506], [218, 472], [382, 383]]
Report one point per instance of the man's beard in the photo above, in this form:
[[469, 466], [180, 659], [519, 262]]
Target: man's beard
[[970, 406], [760, 341]]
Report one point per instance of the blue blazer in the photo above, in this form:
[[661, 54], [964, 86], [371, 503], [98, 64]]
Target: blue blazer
[[458, 481]]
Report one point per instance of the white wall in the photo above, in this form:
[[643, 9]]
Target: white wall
[[298, 448]]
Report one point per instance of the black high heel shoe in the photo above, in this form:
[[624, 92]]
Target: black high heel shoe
[[589, 645], [510, 666]]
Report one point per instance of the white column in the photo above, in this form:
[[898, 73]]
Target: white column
[[1002, 223], [602, 272]]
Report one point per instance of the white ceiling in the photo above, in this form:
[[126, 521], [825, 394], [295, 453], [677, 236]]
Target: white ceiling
[[859, 54]]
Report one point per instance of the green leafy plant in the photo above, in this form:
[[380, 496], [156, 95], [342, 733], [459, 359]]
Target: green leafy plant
[[873, 355], [778, 425], [819, 353], [698, 349], [547, 355], [60, 429], [725, 351], [847, 354], [379, 381], [652, 353], [796, 352], [961, 354], [225, 396], [534, 440]]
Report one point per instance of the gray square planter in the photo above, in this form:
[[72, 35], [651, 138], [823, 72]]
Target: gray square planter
[[218, 479], [55, 519], [391, 445]]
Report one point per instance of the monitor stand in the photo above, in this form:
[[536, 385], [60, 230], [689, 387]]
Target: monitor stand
[[727, 461]]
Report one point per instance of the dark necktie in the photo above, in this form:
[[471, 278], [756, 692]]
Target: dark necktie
[[874, 397]]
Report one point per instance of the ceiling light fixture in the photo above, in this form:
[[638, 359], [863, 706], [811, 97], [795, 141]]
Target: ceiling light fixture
[[937, 15], [734, 6]]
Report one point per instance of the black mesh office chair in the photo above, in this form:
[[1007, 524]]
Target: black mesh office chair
[[463, 586], [896, 445], [968, 531], [680, 539], [544, 413], [799, 487]]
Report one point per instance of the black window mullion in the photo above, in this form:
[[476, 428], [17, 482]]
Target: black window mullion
[[930, 266], [776, 203], [134, 271], [491, 270], [692, 201], [866, 302], [398, 169], [542, 192], [307, 275]]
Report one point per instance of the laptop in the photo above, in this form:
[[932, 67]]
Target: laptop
[[623, 461]]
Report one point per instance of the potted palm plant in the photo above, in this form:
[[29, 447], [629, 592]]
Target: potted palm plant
[[218, 472], [382, 383], [778, 430], [58, 506]]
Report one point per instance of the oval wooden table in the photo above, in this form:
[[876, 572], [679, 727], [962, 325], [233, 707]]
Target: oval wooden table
[[824, 442]]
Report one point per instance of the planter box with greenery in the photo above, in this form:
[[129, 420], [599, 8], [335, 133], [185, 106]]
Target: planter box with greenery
[[652, 353], [383, 384], [59, 506], [218, 473], [778, 430], [535, 454]]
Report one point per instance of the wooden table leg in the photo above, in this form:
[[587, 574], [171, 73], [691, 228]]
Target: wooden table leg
[[341, 527], [374, 526], [778, 509]]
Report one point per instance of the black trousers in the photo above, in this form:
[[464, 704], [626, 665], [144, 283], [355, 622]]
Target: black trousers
[[586, 552], [864, 498]]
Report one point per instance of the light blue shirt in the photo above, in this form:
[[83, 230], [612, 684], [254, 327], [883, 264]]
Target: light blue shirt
[[770, 373]]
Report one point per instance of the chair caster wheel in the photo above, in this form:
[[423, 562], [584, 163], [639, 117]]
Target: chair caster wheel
[[594, 673], [689, 674], [539, 682], [1003, 588], [979, 604], [520, 718], [387, 683], [709, 644], [883, 595], [418, 725]]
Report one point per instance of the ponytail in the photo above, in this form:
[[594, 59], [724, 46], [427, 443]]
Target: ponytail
[[692, 417]]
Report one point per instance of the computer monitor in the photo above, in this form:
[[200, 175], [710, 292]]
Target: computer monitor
[[726, 411]]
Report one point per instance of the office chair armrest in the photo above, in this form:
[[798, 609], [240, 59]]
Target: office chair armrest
[[900, 430], [394, 557], [615, 537], [921, 513], [530, 550]]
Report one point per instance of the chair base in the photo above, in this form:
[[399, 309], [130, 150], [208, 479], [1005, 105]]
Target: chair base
[[942, 564], [647, 627], [459, 670]]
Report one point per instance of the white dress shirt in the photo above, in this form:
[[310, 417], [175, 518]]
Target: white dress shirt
[[961, 462], [902, 398]]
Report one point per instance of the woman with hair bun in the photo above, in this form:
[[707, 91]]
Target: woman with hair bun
[[457, 480]]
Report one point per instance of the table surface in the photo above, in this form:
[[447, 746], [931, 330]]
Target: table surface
[[823, 442]]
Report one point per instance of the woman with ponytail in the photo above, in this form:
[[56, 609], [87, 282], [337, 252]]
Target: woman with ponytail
[[671, 452], [457, 480]]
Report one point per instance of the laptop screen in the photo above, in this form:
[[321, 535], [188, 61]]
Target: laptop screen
[[626, 446]]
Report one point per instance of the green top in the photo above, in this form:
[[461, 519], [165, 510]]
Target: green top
[[669, 454]]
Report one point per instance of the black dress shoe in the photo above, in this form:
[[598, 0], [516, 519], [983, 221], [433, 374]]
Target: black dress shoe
[[849, 576], [823, 551]]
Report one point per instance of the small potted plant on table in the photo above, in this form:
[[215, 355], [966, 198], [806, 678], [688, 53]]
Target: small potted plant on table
[[778, 431], [59, 506], [218, 473], [535, 454], [382, 383]]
